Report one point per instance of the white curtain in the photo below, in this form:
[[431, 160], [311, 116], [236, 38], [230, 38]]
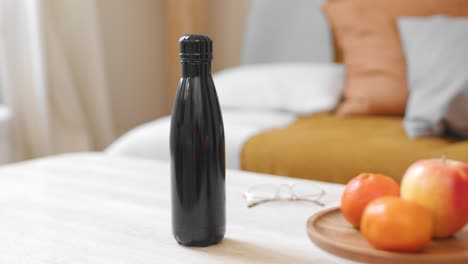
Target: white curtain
[[53, 76]]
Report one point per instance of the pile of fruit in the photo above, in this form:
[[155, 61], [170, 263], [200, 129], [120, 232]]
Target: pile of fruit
[[432, 202]]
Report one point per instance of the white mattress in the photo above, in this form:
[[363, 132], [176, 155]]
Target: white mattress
[[151, 140]]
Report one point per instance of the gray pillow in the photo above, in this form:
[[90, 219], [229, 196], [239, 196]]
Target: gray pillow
[[287, 31], [436, 51]]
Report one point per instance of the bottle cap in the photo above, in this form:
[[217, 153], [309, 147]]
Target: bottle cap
[[195, 48]]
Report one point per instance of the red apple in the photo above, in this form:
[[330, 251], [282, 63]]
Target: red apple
[[441, 186]]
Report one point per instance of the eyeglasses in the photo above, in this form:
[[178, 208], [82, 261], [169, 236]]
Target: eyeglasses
[[259, 194]]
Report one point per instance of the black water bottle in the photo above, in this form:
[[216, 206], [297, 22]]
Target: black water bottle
[[197, 150]]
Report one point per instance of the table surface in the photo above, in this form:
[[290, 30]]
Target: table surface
[[93, 208]]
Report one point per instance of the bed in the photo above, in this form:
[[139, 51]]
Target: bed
[[267, 90], [277, 108], [151, 140]]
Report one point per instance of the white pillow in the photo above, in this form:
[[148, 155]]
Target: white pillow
[[300, 88], [436, 51]]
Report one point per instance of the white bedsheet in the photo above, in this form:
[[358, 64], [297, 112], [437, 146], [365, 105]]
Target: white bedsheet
[[151, 140]]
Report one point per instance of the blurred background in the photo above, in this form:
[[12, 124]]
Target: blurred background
[[75, 75], [358, 80]]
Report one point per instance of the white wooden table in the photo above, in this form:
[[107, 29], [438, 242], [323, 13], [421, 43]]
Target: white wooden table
[[92, 208]]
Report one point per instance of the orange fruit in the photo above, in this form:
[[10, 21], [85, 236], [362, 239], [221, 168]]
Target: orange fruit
[[391, 223], [361, 190]]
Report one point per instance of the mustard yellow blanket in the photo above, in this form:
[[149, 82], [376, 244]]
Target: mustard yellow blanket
[[328, 148]]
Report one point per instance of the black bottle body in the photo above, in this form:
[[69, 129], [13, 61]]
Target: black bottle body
[[197, 159]]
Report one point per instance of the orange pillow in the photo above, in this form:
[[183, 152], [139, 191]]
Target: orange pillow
[[367, 34]]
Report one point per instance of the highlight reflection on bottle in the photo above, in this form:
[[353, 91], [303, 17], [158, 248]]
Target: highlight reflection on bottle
[[197, 150]]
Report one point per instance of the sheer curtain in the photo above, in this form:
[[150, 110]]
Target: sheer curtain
[[53, 76]]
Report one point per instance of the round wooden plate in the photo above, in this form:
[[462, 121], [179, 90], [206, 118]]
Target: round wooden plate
[[330, 231]]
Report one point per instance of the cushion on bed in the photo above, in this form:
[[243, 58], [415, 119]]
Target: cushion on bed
[[301, 88], [366, 33], [437, 61], [287, 31], [328, 148]]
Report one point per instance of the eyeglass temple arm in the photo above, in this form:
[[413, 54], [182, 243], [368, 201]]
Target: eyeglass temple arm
[[313, 201], [252, 204]]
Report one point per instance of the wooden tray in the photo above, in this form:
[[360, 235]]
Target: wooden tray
[[330, 231]]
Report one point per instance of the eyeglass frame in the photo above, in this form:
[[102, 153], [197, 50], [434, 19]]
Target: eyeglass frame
[[277, 196]]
